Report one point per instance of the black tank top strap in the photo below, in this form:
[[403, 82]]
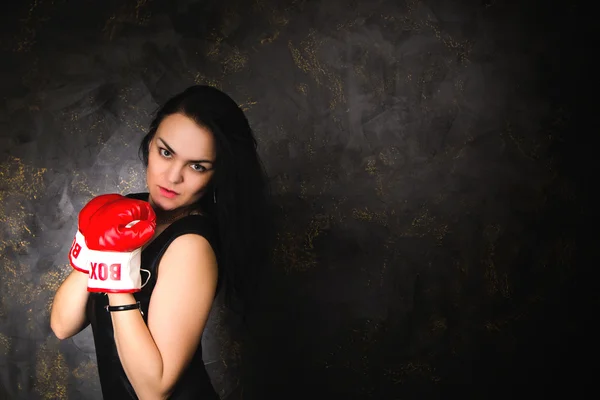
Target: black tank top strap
[[196, 224]]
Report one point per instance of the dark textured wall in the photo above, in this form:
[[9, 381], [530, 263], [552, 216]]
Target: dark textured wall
[[425, 162]]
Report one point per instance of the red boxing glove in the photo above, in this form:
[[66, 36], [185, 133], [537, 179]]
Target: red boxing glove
[[115, 236], [79, 252]]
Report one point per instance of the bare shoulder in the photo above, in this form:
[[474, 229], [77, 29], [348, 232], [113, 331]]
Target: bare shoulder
[[185, 285], [188, 269], [189, 251]]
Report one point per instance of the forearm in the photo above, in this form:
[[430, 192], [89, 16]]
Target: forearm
[[137, 351], [67, 316]]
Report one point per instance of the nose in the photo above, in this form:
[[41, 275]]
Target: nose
[[175, 174]]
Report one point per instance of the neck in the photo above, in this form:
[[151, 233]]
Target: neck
[[167, 217]]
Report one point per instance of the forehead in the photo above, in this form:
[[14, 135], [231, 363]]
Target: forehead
[[186, 138]]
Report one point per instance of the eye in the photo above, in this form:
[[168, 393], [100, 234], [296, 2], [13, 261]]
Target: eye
[[164, 152], [198, 167]]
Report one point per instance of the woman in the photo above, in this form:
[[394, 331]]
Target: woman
[[208, 191]]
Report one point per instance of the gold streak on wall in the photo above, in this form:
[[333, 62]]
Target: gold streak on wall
[[51, 372], [306, 58]]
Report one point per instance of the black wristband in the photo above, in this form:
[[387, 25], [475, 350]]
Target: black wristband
[[125, 307]]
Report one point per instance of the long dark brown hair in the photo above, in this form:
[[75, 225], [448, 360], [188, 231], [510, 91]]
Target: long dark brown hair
[[242, 210]]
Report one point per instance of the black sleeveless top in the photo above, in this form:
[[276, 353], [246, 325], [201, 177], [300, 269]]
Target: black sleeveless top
[[194, 382]]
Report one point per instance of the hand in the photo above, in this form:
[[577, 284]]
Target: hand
[[115, 236], [78, 252]]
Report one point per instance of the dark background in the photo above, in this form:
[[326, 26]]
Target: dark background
[[430, 162]]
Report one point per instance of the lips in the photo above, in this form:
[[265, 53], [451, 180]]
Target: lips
[[167, 193]]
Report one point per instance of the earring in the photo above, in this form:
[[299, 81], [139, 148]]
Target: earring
[[215, 196]]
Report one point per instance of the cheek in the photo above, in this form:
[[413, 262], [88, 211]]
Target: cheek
[[199, 182], [154, 166]]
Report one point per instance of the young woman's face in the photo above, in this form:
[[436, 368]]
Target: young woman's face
[[180, 163]]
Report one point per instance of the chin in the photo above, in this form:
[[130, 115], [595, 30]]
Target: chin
[[161, 203]]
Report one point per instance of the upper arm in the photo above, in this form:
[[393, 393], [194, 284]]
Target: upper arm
[[181, 302]]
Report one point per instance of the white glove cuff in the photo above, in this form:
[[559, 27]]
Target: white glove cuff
[[78, 253], [114, 272]]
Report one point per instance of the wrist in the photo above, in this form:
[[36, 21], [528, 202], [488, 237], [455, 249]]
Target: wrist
[[118, 299]]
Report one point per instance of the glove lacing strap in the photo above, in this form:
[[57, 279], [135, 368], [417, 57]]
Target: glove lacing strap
[[149, 275]]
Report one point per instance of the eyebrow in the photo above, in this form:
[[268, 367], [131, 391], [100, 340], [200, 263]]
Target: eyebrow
[[173, 152]]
